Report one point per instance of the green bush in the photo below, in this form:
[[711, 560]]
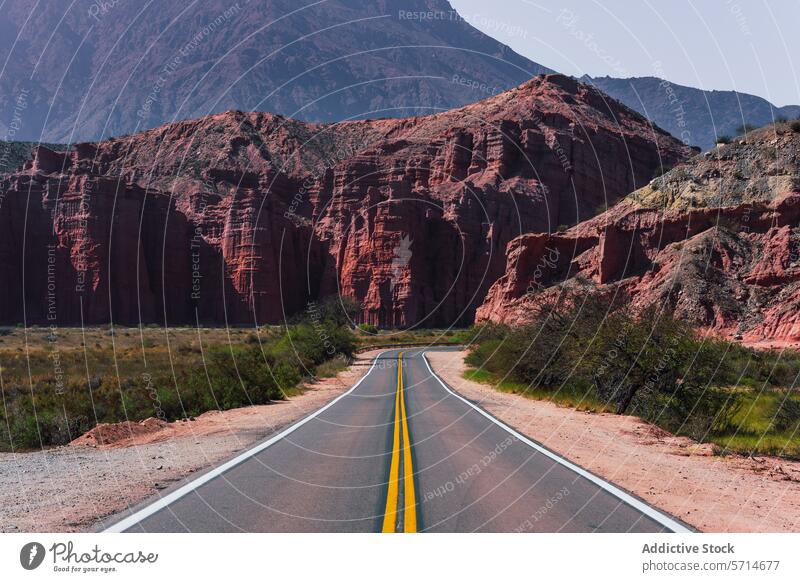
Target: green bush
[[787, 415], [479, 333], [250, 372], [745, 129], [647, 364], [482, 356], [368, 328], [795, 125]]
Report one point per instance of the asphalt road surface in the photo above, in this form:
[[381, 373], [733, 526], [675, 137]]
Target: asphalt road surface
[[349, 468]]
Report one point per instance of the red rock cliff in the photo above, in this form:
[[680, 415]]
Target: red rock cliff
[[246, 218], [716, 240]]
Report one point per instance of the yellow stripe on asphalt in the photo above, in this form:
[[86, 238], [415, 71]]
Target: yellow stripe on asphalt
[[410, 509], [390, 516], [393, 493]]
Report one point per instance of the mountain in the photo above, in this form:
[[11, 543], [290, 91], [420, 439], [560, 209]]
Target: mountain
[[88, 70], [695, 116], [248, 218], [715, 240], [107, 69]]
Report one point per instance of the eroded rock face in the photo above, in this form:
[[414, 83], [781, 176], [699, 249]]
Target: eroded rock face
[[717, 240], [246, 218]]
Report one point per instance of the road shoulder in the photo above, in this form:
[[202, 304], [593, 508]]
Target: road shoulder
[[675, 474]]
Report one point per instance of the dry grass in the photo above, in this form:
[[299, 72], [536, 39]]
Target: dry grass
[[57, 384]]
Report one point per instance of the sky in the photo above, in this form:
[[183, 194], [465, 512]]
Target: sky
[[751, 46]]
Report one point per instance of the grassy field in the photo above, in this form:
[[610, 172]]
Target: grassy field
[[765, 424], [56, 385], [36, 355]]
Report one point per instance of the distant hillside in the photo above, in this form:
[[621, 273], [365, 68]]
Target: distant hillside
[[114, 68], [697, 117]]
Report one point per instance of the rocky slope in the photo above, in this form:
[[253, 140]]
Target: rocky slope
[[717, 239], [248, 217], [14, 153]]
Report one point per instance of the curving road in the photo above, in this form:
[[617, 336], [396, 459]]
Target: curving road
[[348, 468]]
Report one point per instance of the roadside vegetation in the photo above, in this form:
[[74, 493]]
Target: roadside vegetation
[[369, 336], [588, 354], [56, 385]]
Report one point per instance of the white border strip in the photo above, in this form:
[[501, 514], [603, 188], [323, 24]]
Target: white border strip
[[161, 503], [637, 504]]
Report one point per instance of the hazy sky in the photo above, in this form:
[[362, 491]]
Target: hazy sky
[[752, 46]]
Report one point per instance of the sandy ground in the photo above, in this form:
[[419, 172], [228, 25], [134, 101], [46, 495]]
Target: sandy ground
[[71, 488], [676, 474]]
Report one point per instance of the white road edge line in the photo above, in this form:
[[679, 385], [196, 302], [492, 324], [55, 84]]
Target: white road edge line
[[161, 503], [624, 496]]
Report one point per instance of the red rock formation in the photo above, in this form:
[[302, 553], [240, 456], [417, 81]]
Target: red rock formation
[[245, 218], [717, 239]]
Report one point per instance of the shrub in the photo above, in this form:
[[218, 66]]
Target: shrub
[[479, 333], [481, 356], [795, 125], [745, 129], [787, 415], [368, 328], [647, 364], [340, 310], [661, 170], [723, 139], [332, 367]]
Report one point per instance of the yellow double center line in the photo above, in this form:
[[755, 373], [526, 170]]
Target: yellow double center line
[[400, 437]]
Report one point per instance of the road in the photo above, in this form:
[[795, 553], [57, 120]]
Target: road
[[347, 468]]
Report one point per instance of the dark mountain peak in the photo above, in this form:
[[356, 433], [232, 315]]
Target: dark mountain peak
[[128, 66], [697, 117]]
